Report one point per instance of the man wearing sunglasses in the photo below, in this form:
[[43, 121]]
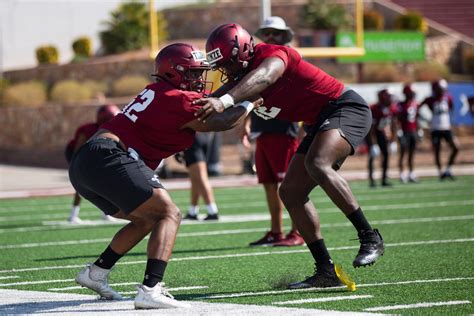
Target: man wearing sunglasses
[[276, 142]]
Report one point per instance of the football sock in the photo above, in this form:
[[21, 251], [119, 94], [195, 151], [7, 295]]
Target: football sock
[[75, 211], [320, 253], [193, 210], [155, 270], [107, 259], [212, 209], [359, 221]]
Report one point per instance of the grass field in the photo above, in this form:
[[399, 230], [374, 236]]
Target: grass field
[[427, 268]]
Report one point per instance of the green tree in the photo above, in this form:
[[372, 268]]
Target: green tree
[[128, 28], [324, 15]]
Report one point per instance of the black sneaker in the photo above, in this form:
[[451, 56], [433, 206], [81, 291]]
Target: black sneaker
[[371, 248], [447, 175], [191, 217], [212, 217], [323, 277]]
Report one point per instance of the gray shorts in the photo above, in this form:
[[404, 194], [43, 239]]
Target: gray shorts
[[111, 178]]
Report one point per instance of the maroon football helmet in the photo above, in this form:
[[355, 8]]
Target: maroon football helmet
[[439, 87], [182, 65], [408, 91], [106, 113], [230, 48]]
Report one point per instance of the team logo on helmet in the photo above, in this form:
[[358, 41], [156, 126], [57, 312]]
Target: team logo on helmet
[[214, 55], [198, 55]]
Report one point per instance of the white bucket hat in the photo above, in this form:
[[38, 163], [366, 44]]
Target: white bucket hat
[[276, 23]]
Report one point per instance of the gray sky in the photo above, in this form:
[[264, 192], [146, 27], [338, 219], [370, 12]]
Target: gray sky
[[28, 24]]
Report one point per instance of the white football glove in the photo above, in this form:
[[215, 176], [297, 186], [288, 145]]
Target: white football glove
[[393, 148], [374, 150]]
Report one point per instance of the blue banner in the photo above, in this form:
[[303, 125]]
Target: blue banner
[[461, 92]]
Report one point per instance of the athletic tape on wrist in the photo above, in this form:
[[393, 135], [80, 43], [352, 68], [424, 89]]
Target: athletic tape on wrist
[[227, 100], [247, 105]]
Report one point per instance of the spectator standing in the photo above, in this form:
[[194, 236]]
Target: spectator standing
[[276, 143]]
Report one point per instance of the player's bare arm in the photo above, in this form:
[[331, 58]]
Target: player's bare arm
[[223, 121], [251, 85]]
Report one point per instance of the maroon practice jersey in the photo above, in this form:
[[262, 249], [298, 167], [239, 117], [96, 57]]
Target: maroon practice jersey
[[382, 117], [407, 114], [151, 123], [300, 93], [87, 130]]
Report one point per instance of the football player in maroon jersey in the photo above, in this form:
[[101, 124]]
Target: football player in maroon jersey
[[114, 169], [82, 134], [295, 90], [407, 117], [441, 104], [382, 134]]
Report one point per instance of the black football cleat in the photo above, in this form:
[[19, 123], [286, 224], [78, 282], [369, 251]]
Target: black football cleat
[[323, 277], [371, 248], [212, 217], [191, 217]]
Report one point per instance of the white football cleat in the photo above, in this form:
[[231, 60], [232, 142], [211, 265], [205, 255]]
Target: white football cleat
[[109, 218], [156, 297], [96, 279], [74, 220]]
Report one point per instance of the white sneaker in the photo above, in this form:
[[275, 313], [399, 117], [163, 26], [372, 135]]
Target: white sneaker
[[156, 297], [412, 178], [96, 279], [74, 220], [109, 218], [403, 178]]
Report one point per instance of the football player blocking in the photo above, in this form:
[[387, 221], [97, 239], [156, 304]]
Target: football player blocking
[[339, 119], [114, 169]]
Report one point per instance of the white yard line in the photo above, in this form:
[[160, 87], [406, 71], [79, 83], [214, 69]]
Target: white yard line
[[176, 289], [61, 207], [417, 305], [251, 254], [47, 303], [323, 299], [244, 231], [36, 282], [60, 289], [262, 203], [10, 277]]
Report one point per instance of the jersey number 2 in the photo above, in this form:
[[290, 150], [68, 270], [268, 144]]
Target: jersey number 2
[[139, 104]]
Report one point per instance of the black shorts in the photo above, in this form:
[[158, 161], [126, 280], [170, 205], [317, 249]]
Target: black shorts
[[436, 137], [105, 174], [408, 140], [199, 150], [349, 114]]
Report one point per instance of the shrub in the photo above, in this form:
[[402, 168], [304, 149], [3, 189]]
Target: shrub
[[129, 85], [324, 15], [430, 71], [411, 21], [96, 87], [47, 55], [25, 94], [381, 73], [70, 92], [82, 48], [469, 61], [3, 87], [373, 20]]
